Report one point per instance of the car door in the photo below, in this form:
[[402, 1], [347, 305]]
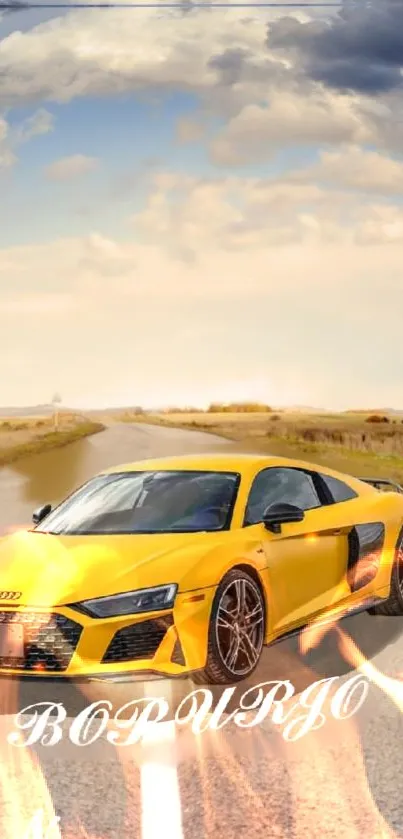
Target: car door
[[307, 560]]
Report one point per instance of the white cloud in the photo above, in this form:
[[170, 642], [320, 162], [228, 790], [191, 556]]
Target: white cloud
[[221, 52], [102, 257], [7, 156], [41, 122], [70, 167], [382, 225], [87, 52], [190, 216], [289, 119], [359, 169]]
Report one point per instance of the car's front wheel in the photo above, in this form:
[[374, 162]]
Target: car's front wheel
[[236, 630]]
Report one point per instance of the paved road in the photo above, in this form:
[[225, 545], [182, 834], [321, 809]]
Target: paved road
[[341, 780]]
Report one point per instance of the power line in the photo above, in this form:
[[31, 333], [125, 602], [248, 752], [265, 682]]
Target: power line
[[21, 6]]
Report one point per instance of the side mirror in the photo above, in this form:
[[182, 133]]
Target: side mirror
[[41, 513], [278, 514]]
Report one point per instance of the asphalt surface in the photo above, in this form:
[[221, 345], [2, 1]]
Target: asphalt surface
[[340, 780]]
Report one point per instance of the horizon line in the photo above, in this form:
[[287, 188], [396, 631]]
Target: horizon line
[[195, 408]]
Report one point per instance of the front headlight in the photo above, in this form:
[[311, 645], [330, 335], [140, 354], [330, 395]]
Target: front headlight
[[129, 603]]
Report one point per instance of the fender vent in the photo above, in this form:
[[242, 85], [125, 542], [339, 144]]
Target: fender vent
[[365, 551]]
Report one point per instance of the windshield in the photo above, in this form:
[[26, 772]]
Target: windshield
[[147, 502]]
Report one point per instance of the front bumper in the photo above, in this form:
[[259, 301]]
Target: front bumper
[[62, 643]]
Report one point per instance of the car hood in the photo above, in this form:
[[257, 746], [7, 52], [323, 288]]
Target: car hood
[[52, 570]]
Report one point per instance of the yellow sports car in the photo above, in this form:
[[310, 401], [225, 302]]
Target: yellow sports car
[[191, 565]]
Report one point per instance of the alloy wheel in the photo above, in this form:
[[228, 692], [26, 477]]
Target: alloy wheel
[[240, 623]]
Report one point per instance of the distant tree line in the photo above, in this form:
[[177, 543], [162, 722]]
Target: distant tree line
[[238, 408], [186, 410], [224, 408]]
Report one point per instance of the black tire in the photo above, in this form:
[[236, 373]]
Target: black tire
[[218, 669], [393, 606]]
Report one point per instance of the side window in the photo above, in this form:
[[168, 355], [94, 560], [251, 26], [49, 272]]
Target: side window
[[338, 489], [276, 485]]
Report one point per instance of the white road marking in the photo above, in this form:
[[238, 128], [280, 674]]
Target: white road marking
[[160, 792]]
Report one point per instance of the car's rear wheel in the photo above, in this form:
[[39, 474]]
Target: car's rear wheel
[[394, 604], [236, 630]]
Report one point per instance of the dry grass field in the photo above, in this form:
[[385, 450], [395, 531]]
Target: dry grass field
[[344, 441], [20, 437]]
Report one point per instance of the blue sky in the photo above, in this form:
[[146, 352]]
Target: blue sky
[[201, 190], [130, 136], [26, 20], [127, 136]]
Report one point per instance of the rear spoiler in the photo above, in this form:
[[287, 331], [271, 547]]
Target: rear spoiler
[[383, 483]]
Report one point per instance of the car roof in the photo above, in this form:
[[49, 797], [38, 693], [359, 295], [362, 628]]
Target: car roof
[[245, 464], [204, 462]]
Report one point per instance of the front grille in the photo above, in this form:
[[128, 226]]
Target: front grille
[[49, 641], [138, 641]]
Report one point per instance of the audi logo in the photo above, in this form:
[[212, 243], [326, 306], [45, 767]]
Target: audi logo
[[10, 595]]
